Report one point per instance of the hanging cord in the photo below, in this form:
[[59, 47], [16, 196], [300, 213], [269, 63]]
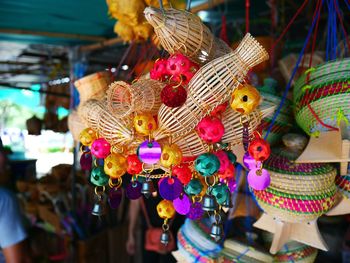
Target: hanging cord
[[161, 6], [336, 4], [289, 85], [126, 53], [247, 9], [188, 7], [301, 8]]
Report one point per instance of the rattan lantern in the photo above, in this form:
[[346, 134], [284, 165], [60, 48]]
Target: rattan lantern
[[93, 86]]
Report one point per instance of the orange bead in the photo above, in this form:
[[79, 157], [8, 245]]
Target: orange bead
[[144, 123], [171, 155], [245, 99], [87, 136]]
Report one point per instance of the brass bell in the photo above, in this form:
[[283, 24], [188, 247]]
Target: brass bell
[[98, 209], [147, 188], [209, 203], [216, 232], [164, 238]]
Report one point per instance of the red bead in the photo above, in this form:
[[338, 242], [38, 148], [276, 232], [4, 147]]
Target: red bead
[[228, 173], [159, 70], [218, 110], [210, 129], [134, 164], [183, 173], [173, 95], [178, 64], [259, 149]]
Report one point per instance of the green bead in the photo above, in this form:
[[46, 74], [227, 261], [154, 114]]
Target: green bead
[[98, 177], [207, 164], [194, 187], [231, 156], [221, 193]]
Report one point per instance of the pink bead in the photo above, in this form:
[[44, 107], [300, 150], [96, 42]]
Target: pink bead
[[259, 180], [224, 161], [178, 64], [159, 70], [100, 148], [210, 129]]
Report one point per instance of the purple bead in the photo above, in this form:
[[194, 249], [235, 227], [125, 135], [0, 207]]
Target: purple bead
[[259, 180], [115, 197], [232, 184], [182, 205], [86, 161], [249, 162], [133, 190], [149, 152], [196, 211], [170, 188]]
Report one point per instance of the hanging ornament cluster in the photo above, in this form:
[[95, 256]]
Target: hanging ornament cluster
[[179, 122]]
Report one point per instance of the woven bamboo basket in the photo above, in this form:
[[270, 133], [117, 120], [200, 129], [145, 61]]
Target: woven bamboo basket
[[75, 125], [297, 192], [321, 96], [210, 87], [89, 112], [97, 117], [192, 145], [93, 86], [144, 95], [343, 185], [184, 32]]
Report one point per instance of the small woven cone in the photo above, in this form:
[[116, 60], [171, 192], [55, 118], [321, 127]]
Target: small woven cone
[[214, 82], [192, 145], [97, 117], [144, 95], [75, 125], [211, 85], [184, 32], [93, 86], [89, 112]]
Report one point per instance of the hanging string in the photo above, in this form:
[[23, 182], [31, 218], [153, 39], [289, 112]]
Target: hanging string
[[318, 8], [161, 6], [336, 4], [188, 7], [347, 4], [126, 53], [285, 93], [301, 8], [247, 7], [320, 121]]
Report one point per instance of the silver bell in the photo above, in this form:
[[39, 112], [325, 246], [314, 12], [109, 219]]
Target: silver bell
[[147, 188], [164, 238], [209, 203], [216, 231], [98, 209]]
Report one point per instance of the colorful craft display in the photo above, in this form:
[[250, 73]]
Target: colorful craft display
[[296, 252], [321, 97], [298, 192], [146, 125]]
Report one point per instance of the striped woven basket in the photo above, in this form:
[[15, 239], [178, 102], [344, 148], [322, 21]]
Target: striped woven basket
[[298, 192], [321, 96], [296, 252]]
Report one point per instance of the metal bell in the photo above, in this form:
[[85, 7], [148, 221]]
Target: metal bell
[[147, 188], [216, 231], [209, 203], [164, 238], [98, 209]]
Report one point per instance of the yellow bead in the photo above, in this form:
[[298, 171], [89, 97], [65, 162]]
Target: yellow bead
[[245, 99], [87, 136], [115, 165], [171, 155], [144, 123], [166, 209]]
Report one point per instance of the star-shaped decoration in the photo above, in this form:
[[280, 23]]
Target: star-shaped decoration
[[306, 233]]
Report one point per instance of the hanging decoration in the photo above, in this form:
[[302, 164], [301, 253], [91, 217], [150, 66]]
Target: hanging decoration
[[177, 121]]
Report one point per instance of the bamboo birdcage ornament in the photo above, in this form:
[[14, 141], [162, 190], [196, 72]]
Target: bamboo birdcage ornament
[[210, 87], [183, 32], [93, 86], [75, 124], [114, 130], [144, 95]]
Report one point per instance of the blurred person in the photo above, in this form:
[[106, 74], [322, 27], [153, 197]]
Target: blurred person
[[12, 233], [135, 208]]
